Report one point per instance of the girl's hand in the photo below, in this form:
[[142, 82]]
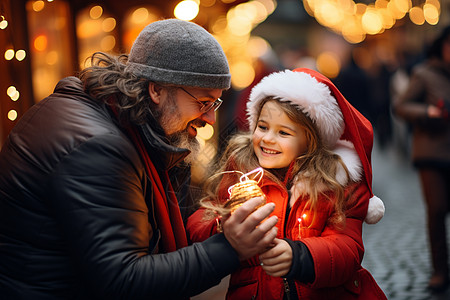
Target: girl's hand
[[277, 261]]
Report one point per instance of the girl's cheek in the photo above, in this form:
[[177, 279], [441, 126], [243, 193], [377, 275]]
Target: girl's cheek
[[256, 138]]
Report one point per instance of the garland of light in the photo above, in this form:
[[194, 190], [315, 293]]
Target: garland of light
[[356, 20]]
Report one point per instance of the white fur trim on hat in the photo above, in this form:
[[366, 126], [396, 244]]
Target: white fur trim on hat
[[375, 211], [347, 152], [312, 97]]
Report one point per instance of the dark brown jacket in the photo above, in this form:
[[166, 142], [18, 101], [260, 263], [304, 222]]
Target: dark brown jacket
[[429, 85]]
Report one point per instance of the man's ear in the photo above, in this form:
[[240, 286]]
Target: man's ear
[[154, 91]]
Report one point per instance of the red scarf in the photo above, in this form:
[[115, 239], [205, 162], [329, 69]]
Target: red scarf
[[167, 211], [168, 216]]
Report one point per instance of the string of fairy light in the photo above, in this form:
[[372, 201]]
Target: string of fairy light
[[10, 54], [354, 21]]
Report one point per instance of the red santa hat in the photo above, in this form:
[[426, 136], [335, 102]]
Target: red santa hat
[[335, 118]]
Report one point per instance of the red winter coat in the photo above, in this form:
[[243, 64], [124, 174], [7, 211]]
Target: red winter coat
[[337, 255]]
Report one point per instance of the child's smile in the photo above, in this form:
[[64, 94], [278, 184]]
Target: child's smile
[[277, 140]]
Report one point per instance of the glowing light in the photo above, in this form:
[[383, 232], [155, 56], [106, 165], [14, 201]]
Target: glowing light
[[9, 54], [208, 3], [360, 8], [353, 33], [205, 132], [108, 43], [257, 46], [327, 14], [11, 90], [38, 5], [435, 3], [371, 22], [140, 15], [270, 5], [96, 12], [356, 20], [186, 10], [88, 29], [431, 14], [15, 96], [51, 58], [328, 64], [108, 24], [239, 25], [20, 55], [219, 25], [381, 3], [403, 5], [3, 24], [40, 42], [416, 15], [12, 115], [242, 74]]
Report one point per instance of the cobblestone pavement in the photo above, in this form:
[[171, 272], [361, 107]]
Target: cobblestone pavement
[[397, 251]]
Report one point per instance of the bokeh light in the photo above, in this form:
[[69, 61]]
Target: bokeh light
[[12, 115], [354, 21], [9, 54], [328, 64], [20, 55], [40, 42], [186, 10], [96, 12]]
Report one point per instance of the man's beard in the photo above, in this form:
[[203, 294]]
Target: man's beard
[[182, 139], [169, 118]]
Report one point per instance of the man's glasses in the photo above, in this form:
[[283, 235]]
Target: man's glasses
[[206, 105]]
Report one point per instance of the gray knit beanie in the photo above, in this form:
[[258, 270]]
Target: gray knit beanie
[[181, 53]]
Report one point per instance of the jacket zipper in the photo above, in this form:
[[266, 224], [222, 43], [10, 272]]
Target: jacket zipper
[[287, 290]]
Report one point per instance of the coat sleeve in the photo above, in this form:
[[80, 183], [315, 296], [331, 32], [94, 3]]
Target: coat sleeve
[[97, 195], [337, 254], [411, 105], [198, 228]]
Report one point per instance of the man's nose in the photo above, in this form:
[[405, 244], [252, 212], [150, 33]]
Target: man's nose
[[209, 117]]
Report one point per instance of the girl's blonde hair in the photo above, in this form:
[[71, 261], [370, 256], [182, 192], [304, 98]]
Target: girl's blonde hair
[[317, 167]]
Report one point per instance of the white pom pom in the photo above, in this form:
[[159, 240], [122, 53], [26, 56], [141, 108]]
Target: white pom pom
[[375, 211]]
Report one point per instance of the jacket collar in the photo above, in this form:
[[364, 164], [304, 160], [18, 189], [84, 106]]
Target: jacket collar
[[158, 146]]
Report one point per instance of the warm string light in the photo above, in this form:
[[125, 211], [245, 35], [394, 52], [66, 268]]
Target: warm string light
[[233, 32], [245, 189], [3, 22], [354, 21], [9, 54], [300, 224]]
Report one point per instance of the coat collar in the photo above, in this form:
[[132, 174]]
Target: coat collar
[[158, 146]]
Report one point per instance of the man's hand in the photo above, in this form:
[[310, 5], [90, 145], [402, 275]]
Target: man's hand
[[277, 261], [245, 232]]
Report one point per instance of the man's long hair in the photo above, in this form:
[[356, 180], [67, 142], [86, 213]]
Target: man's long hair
[[106, 80]]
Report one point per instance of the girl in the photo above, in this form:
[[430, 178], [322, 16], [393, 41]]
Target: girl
[[315, 149]]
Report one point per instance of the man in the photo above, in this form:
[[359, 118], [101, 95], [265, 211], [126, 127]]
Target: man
[[87, 208]]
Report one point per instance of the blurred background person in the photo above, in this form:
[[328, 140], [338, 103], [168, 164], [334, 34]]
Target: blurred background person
[[424, 105]]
